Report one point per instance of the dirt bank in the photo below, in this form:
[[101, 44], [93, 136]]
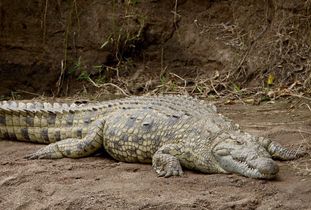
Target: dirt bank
[[102, 183], [54, 47]]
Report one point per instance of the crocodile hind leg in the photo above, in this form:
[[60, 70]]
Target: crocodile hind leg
[[71, 147], [279, 152]]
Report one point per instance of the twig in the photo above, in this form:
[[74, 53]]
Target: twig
[[77, 16], [214, 88], [279, 125], [179, 77], [307, 105], [175, 11], [44, 20], [300, 96], [162, 61], [24, 91], [12, 94], [108, 84], [59, 82]]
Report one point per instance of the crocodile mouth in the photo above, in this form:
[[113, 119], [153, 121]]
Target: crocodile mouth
[[260, 168]]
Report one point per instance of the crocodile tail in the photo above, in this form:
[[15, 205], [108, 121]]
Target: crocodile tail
[[43, 122]]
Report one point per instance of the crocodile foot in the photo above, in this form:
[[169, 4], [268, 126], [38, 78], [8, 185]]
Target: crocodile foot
[[166, 165]]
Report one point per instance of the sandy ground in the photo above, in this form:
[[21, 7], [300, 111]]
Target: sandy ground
[[102, 183]]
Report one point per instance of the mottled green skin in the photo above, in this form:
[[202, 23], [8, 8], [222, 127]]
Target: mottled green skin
[[169, 131]]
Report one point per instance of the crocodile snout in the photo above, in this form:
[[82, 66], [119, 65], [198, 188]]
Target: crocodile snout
[[265, 166]]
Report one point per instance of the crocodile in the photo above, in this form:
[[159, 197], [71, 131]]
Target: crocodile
[[169, 131]]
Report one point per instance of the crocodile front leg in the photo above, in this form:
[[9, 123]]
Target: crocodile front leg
[[73, 148], [279, 152], [165, 162]]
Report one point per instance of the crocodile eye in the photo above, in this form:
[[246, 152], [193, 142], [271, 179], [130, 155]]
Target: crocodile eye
[[238, 142]]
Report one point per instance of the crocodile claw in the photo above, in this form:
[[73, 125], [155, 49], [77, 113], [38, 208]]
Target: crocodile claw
[[167, 165], [33, 156], [48, 152], [171, 172]]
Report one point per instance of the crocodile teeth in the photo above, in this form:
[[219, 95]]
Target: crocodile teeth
[[247, 169]]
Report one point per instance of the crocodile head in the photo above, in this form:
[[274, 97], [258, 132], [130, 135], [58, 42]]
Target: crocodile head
[[240, 153]]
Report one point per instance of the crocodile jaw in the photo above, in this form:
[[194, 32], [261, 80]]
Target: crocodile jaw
[[240, 153], [260, 168]]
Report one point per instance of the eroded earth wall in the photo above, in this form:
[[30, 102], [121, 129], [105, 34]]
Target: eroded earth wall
[[42, 42]]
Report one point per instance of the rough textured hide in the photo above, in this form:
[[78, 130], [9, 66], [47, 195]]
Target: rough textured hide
[[169, 131]]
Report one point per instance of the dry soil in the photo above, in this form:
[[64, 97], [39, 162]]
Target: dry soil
[[100, 182]]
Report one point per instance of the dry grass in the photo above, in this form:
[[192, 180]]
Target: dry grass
[[275, 50], [303, 168]]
